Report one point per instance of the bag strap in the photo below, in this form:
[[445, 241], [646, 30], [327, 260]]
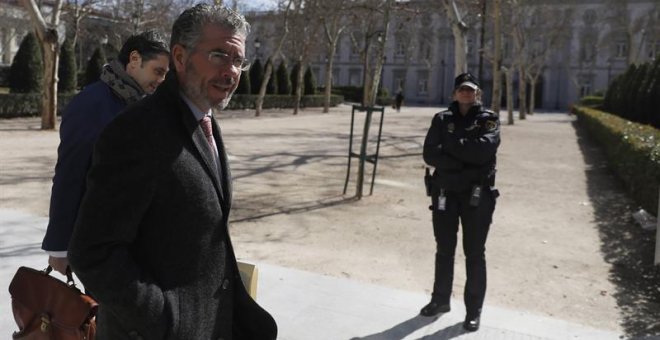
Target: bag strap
[[69, 275]]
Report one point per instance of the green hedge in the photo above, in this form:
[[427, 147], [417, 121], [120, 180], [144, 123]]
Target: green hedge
[[634, 95], [354, 94], [27, 104], [633, 152], [595, 102], [243, 101]]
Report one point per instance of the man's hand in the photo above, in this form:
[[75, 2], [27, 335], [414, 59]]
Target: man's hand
[[58, 263]]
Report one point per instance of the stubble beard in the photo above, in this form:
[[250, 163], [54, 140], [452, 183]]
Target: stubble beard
[[196, 90]]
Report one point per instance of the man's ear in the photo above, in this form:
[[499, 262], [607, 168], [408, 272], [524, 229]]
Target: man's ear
[[134, 59], [179, 55]]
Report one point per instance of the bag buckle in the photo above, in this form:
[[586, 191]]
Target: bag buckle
[[45, 323]]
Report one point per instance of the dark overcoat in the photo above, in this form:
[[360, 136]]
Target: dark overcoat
[[83, 120], [151, 241]]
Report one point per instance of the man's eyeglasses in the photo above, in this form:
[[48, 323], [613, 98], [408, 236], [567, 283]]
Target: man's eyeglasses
[[220, 59]]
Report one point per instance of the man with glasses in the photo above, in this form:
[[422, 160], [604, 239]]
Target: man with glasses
[[462, 144], [151, 242]]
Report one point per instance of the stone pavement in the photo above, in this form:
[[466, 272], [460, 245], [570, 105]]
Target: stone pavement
[[564, 277], [309, 306]]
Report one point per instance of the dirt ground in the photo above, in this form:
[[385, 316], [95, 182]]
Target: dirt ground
[[563, 242]]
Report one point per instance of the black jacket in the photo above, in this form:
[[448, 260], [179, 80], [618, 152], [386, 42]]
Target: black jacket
[[462, 148], [151, 242]]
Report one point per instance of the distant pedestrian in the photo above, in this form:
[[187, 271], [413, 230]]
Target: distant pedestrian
[[151, 242], [398, 100], [139, 68], [462, 144]]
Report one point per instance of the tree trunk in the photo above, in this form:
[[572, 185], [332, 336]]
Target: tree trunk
[[262, 89], [49, 40], [366, 88], [459, 29], [380, 55], [269, 70], [332, 35], [497, 72], [508, 71], [328, 77], [522, 94], [299, 86], [532, 94]]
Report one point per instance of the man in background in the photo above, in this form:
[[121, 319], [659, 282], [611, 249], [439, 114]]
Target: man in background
[[139, 68]]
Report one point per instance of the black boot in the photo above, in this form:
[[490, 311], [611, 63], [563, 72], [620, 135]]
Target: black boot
[[434, 308], [471, 323]]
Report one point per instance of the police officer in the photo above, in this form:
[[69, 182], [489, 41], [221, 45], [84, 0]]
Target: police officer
[[461, 145]]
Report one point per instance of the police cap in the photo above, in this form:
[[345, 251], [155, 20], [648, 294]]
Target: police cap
[[466, 79]]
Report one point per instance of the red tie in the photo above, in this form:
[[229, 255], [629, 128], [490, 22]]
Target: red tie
[[208, 132]]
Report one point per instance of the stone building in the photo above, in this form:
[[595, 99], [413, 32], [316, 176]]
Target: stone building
[[601, 39]]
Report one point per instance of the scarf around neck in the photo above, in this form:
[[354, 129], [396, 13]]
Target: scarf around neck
[[115, 76]]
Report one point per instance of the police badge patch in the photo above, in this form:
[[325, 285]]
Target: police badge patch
[[491, 125], [450, 127]]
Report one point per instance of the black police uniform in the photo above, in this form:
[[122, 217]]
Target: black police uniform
[[463, 151]]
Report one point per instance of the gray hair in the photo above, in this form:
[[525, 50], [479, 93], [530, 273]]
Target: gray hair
[[187, 28]]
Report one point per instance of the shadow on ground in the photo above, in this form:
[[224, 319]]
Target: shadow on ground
[[624, 244], [403, 329]]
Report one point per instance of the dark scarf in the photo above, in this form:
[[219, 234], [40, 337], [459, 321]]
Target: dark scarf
[[123, 85]]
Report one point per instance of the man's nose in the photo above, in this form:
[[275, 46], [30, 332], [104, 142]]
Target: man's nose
[[231, 71]]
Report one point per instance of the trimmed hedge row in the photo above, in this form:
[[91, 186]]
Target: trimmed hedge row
[[247, 101], [25, 105], [632, 150], [595, 102], [354, 94]]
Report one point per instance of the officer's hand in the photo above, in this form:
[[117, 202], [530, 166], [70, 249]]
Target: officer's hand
[[59, 264]]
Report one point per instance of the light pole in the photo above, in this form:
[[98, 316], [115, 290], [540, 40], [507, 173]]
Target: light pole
[[609, 71]]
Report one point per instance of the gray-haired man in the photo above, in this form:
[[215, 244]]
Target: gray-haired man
[[151, 241]]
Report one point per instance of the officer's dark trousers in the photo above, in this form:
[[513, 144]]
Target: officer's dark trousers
[[475, 221]]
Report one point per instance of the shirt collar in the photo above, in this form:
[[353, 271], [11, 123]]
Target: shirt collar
[[199, 114]]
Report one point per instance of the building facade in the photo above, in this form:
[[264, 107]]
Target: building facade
[[598, 43]]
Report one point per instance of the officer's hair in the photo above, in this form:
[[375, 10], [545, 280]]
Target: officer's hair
[[149, 45], [187, 28]]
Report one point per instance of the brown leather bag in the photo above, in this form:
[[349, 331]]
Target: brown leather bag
[[47, 308]]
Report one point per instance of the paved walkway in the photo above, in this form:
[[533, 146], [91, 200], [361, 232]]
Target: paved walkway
[[309, 306], [571, 276]]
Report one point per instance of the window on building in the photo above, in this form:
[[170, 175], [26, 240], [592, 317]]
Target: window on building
[[506, 49], [588, 48], [335, 76], [355, 77], [537, 48], [586, 84], [424, 49], [400, 47], [422, 83], [589, 16], [653, 50], [356, 44], [621, 49], [398, 80]]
